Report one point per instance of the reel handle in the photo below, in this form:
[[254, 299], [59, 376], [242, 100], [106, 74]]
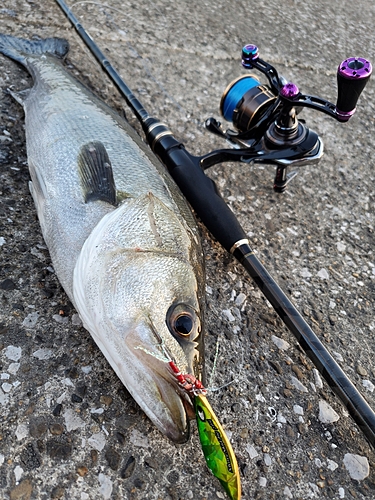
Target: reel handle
[[352, 77]]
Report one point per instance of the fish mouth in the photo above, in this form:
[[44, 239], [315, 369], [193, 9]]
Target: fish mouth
[[162, 399], [142, 366]]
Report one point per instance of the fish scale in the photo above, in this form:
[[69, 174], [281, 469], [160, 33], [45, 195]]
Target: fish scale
[[122, 239], [133, 171]]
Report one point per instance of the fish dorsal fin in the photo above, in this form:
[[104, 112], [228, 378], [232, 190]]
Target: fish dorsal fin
[[96, 173]]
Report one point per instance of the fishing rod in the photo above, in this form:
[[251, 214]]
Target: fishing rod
[[268, 131]]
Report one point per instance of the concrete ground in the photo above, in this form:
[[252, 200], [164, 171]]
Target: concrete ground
[[68, 429]]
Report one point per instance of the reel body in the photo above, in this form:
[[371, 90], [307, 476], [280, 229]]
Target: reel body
[[265, 116]]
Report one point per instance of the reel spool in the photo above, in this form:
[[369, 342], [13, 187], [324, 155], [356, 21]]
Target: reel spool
[[245, 101]]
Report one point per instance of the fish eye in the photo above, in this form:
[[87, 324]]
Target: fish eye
[[183, 324], [182, 320]]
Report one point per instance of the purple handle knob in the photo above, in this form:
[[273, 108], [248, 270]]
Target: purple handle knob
[[352, 76], [249, 54]]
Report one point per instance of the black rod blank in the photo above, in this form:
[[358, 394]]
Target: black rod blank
[[203, 196], [130, 98], [338, 381]]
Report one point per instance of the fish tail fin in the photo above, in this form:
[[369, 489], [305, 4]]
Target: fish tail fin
[[19, 49]]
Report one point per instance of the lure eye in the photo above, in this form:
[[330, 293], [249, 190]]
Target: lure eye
[[182, 320], [200, 413]]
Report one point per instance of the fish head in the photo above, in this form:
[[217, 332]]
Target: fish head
[[138, 290]]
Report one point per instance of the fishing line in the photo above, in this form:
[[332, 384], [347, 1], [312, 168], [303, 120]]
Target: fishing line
[[216, 356], [132, 49], [236, 380], [136, 20]]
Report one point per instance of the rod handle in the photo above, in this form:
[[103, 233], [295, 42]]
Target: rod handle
[[199, 190]]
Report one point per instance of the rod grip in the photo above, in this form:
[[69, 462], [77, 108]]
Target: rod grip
[[200, 191]]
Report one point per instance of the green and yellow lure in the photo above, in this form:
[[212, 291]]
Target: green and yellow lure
[[217, 449]]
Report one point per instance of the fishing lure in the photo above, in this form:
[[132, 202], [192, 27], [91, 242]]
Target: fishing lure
[[217, 450]]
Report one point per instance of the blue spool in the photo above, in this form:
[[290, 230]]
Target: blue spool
[[235, 93]]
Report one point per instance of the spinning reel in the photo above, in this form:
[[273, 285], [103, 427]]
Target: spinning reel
[[265, 116]]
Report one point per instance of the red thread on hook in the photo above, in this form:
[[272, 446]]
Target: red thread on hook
[[190, 383]]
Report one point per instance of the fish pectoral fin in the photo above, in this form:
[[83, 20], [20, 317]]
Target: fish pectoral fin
[[96, 173]]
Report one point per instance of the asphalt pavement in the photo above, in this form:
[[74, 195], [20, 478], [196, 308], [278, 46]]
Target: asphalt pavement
[[68, 428]]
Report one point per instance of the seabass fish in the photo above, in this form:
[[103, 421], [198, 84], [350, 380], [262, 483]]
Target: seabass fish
[[122, 239]]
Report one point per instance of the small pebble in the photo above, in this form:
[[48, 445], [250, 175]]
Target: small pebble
[[338, 356], [317, 379], [323, 274], [13, 368], [12, 352], [297, 370], [298, 385], [267, 459], [327, 414], [262, 482], [97, 441], [76, 320], [367, 384], [129, 467], [22, 431], [361, 371], [56, 429], [60, 319], [287, 492], [244, 433], [82, 470], [113, 458], [76, 399], [240, 299], [22, 491], [289, 431], [7, 284], [107, 400], [43, 354], [6, 387], [106, 486], [228, 314], [357, 466], [332, 465], [31, 320], [18, 472], [305, 273], [72, 420], [281, 419], [57, 410], [280, 343], [139, 439], [298, 409], [251, 451]]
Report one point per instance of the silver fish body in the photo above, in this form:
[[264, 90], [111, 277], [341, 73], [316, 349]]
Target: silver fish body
[[122, 239]]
